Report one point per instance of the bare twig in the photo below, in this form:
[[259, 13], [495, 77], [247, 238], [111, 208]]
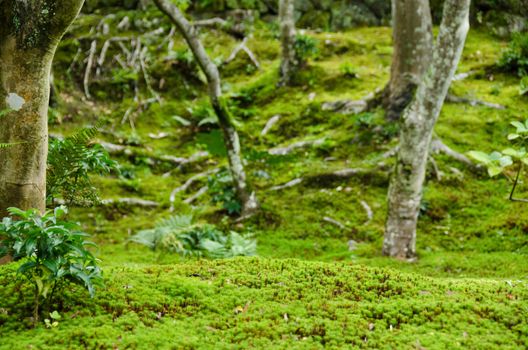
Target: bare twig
[[216, 21], [289, 184], [281, 151], [88, 71], [189, 183], [334, 222], [197, 195], [367, 208], [137, 202], [243, 47], [273, 120]]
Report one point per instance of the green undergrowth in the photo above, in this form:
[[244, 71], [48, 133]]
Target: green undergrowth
[[471, 239], [273, 304], [463, 214]]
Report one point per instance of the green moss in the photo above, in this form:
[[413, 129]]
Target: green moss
[[470, 237], [263, 303]]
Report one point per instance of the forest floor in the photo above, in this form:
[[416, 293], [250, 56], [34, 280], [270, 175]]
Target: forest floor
[[320, 280]]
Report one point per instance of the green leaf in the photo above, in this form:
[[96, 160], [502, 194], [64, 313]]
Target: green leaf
[[521, 128], [505, 161], [55, 315], [514, 153], [513, 136], [494, 170], [480, 156]]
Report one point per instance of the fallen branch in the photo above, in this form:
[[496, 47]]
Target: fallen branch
[[367, 208], [216, 21], [282, 151], [473, 102], [88, 71], [345, 106], [136, 202], [242, 47], [188, 184], [114, 149], [273, 120], [334, 222], [133, 202], [197, 195], [334, 175], [355, 106], [289, 184]]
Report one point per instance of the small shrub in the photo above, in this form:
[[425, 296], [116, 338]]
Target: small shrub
[[305, 48], [515, 58], [223, 192], [70, 162], [54, 252], [178, 234]]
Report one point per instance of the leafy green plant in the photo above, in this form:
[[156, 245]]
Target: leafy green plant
[[53, 252], [53, 321], [179, 234], [70, 162], [515, 58], [515, 157], [305, 47], [223, 191]]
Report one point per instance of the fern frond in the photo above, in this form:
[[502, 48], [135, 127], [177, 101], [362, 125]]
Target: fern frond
[[178, 234]]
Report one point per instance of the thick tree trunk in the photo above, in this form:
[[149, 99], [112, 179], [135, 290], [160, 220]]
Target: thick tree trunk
[[413, 45], [245, 196], [29, 35], [289, 62], [417, 123]]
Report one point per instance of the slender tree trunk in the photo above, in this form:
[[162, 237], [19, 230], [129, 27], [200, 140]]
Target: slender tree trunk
[[29, 34], [289, 62], [413, 45], [245, 196], [417, 123]]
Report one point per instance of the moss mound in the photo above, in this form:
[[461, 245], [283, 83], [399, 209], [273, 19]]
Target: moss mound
[[273, 304]]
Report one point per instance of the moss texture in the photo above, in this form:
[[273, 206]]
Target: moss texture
[[467, 290]]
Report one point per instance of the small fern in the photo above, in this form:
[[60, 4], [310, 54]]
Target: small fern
[[70, 161], [180, 235]]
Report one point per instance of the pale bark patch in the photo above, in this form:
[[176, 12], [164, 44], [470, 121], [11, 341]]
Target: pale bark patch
[[14, 101]]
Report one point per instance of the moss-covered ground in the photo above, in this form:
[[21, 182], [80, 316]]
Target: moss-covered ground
[[307, 289]]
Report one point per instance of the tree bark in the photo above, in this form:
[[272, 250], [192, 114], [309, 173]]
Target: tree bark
[[29, 34], [289, 62], [245, 196], [413, 45], [417, 123]]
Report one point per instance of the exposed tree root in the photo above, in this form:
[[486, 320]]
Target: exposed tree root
[[188, 184], [281, 151], [437, 146], [473, 102], [347, 107], [334, 222], [243, 47], [131, 152]]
